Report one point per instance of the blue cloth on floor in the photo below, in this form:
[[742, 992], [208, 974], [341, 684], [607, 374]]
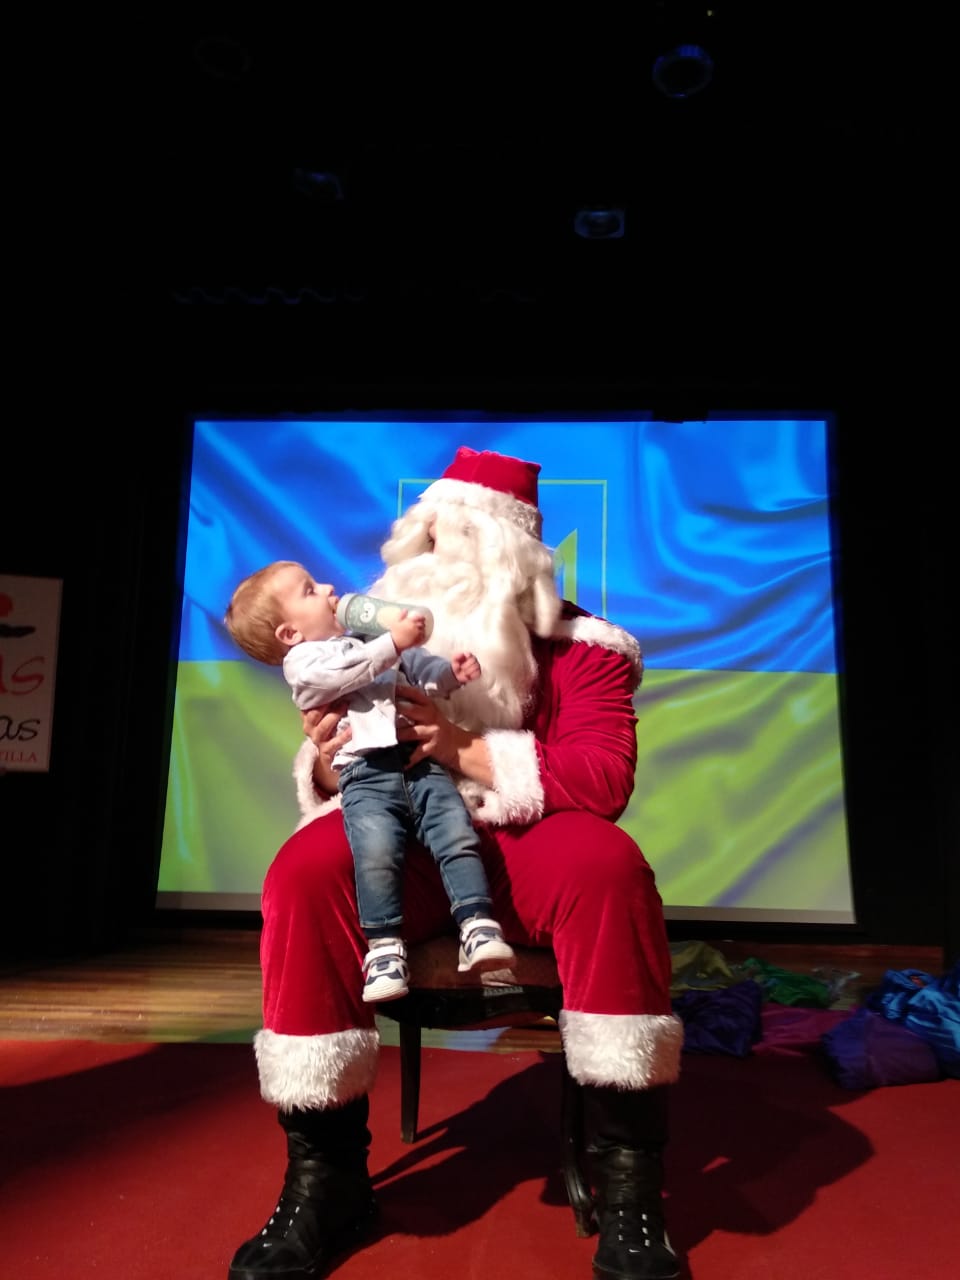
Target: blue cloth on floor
[[722, 1021], [925, 1005], [866, 1051]]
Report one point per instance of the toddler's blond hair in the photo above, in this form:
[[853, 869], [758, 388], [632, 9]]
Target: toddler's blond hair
[[254, 614]]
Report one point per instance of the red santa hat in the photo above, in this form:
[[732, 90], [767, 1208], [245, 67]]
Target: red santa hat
[[493, 482]]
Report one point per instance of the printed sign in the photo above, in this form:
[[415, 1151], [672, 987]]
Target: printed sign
[[29, 631]]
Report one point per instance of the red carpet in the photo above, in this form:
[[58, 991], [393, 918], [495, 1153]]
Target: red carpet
[[152, 1162]]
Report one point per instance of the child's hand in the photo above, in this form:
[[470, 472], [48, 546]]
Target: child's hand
[[465, 667], [409, 630]]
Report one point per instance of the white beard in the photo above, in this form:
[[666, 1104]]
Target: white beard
[[470, 616]]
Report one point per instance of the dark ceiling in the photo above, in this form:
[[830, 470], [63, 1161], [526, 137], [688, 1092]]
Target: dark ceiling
[[459, 146]]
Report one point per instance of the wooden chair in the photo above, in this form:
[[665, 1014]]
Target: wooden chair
[[442, 998]]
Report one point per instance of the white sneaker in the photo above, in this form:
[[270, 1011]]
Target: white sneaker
[[482, 947], [386, 974]]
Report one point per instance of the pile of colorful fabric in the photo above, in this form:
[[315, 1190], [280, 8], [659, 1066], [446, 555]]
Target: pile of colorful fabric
[[906, 1032]]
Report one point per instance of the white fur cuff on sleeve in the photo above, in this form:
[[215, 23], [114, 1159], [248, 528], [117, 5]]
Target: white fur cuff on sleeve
[[517, 794]]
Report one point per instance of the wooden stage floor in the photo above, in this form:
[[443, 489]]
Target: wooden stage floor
[[180, 984]]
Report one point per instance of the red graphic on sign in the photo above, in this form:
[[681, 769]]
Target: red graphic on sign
[[6, 628]]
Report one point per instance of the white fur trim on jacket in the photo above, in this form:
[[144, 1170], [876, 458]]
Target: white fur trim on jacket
[[625, 1050], [316, 1071], [607, 636], [311, 805]]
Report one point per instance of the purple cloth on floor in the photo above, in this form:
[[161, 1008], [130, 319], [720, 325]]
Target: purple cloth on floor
[[867, 1050], [721, 1021], [787, 1029]]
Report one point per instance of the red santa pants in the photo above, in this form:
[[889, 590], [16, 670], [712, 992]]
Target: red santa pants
[[571, 881]]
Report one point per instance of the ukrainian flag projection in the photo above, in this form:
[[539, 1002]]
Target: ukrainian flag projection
[[708, 541]]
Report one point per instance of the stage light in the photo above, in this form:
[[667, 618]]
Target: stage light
[[319, 185], [223, 57], [600, 223], [683, 71]]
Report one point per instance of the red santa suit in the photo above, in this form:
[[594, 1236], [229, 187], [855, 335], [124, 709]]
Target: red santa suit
[[561, 873]]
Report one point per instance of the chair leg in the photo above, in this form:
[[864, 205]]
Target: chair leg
[[578, 1189], [409, 1081]]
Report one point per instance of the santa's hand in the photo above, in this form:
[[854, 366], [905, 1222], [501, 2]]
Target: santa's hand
[[436, 736], [466, 667], [431, 730], [320, 726]]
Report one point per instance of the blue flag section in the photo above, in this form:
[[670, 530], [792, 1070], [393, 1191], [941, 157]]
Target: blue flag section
[[709, 541]]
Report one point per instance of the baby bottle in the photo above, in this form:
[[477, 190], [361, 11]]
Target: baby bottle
[[368, 616]]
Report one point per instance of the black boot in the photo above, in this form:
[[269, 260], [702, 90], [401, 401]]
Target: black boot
[[625, 1132], [326, 1205]]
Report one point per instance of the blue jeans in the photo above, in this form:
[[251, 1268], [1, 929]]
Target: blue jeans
[[384, 804]]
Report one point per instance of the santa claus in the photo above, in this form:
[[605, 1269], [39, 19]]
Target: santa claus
[[543, 748]]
